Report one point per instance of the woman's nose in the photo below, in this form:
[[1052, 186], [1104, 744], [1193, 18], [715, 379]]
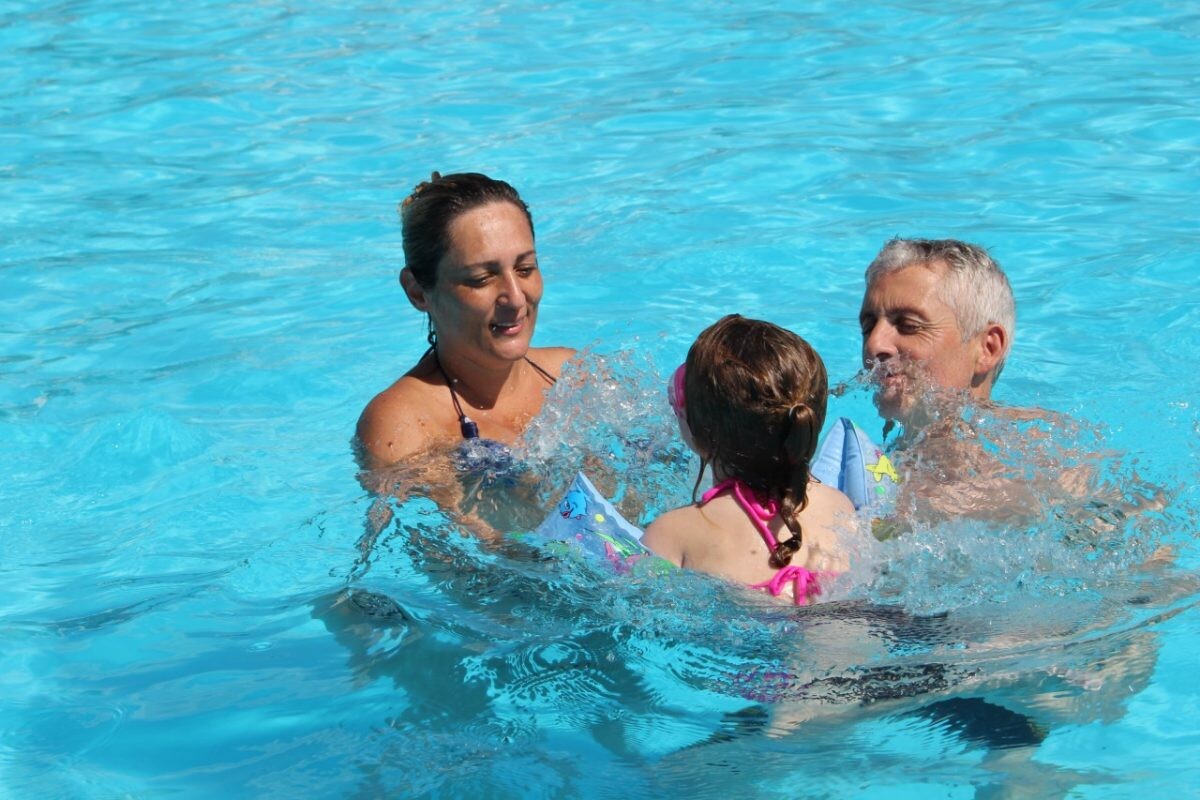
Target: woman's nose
[[512, 293]]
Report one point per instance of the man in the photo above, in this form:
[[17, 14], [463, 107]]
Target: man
[[937, 322], [937, 319]]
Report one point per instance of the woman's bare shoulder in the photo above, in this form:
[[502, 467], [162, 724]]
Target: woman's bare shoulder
[[551, 359], [396, 423]]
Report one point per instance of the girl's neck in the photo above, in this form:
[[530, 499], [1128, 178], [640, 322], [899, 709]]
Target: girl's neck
[[719, 476]]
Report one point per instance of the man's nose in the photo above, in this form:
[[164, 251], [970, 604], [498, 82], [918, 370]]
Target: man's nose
[[879, 343]]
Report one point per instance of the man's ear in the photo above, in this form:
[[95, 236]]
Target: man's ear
[[416, 294], [993, 347]]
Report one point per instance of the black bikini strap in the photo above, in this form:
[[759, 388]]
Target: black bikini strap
[[466, 425], [541, 371]]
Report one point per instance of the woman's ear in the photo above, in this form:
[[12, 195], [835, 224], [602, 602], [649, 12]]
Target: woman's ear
[[415, 293]]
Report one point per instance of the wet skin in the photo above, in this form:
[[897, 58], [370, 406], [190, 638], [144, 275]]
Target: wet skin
[[912, 340], [483, 307], [485, 300]]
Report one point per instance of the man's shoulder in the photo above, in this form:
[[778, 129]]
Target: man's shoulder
[[1038, 424], [1027, 414]]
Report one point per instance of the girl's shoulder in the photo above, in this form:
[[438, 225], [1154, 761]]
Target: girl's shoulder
[[668, 534], [677, 521], [828, 499]]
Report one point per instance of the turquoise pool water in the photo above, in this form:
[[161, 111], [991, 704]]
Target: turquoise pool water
[[199, 259]]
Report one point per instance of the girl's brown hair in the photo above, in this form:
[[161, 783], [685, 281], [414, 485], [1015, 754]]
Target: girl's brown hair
[[755, 401]]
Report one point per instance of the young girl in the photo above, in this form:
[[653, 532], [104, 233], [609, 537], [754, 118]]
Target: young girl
[[750, 400]]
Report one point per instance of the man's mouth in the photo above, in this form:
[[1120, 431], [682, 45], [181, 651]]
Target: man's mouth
[[887, 373], [892, 379]]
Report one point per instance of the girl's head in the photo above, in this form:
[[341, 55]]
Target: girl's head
[[753, 403]]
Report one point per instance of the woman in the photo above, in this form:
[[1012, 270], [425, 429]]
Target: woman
[[471, 266]]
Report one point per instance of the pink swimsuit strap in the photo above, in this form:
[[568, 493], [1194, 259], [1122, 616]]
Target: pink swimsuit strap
[[760, 513], [804, 581]]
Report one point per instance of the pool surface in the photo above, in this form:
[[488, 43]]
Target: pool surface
[[200, 249]]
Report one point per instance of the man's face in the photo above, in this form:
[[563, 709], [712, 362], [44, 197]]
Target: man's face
[[912, 340]]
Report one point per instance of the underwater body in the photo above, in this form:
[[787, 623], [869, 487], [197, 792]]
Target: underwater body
[[201, 251]]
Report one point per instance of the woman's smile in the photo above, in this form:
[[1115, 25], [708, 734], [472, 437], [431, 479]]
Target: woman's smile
[[489, 284], [509, 328]]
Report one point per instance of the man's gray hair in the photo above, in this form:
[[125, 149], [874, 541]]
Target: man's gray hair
[[974, 286]]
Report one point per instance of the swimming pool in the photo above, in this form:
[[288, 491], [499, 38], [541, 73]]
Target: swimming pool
[[199, 278]]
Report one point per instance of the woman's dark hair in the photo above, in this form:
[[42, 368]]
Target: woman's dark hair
[[426, 215], [756, 397]]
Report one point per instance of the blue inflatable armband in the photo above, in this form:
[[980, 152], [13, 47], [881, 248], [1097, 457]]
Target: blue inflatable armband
[[849, 461], [584, 522]]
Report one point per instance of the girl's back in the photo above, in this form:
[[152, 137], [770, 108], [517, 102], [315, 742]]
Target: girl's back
[[750, 400], [720, 538]]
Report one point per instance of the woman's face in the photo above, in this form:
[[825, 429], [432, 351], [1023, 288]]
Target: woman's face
[[484, 302]]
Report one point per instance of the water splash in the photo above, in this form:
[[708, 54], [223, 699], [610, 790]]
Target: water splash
[[608, 417]]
